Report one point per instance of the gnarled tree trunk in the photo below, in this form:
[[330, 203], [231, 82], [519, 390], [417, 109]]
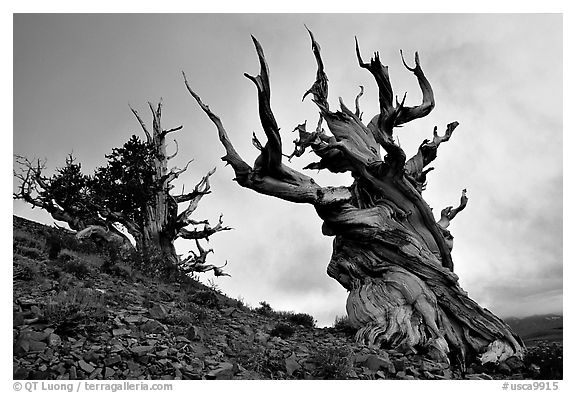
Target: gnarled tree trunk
[[389, 251], [163, 223]]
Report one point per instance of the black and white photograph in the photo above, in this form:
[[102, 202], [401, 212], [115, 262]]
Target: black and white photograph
[[287, 196]]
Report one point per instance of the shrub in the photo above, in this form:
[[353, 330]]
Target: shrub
[[343, 324], [23, 271], [179, 318], [265, 309], [121, 271], [73, 307], [54, 245], [30, 252], [302, 319], [71, 265], [69, 241], [153, 264], [205, 298], [261, 360], [331, 363], [282, 330], [21, 238], [198, 313]]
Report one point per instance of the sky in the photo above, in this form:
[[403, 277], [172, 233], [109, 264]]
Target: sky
[[498, 75]]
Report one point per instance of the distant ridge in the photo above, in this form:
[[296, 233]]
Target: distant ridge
[[547, 327]]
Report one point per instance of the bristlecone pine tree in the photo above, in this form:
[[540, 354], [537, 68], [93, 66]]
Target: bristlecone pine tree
[[132, 191], [389, 252]]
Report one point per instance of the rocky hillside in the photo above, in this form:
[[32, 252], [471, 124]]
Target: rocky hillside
[[78, 317]]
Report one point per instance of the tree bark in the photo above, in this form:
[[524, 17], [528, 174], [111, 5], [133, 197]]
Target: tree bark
[[389, 252]]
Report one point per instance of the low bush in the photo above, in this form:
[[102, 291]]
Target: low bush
[[302, 319], [76, 306], [343, 324], [261, 360], [205, 298], [153, 264], [30, 252], [331, 363], [265, 309], [198, 313], [53, 245], [70, 264], [282, 330], [180, 319], [24, 239], [23, 270]]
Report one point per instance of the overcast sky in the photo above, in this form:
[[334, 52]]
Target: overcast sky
[[499, 76]]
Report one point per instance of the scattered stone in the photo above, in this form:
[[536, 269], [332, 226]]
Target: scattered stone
[[21, 373], [158, 311], [112, 360], [17, 319], [36, 346], [141, 349], [134, 369], [73, 374], [121, 332], [261, 337], [195, 333], [95, 373], [85, 366], [54, 340], [291, 364], [109, 372], [153, 326], [91, 356], [375, 363], [134, 318], [224, 371]]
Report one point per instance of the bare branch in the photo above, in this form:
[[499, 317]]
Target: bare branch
[[427, 153], [166, 132], [156, 116], [142, 124], [175, 153], [201, 189], [257, 144], [380, 74], [449, 213], [204, 233], [319, 89], [446, 137], [174, 173], [357, 101], [412, 113], [270, 160], [197, 263], [241, 168], [271, 177]]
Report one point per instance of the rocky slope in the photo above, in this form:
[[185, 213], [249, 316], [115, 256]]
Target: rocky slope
[[76, 318]]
